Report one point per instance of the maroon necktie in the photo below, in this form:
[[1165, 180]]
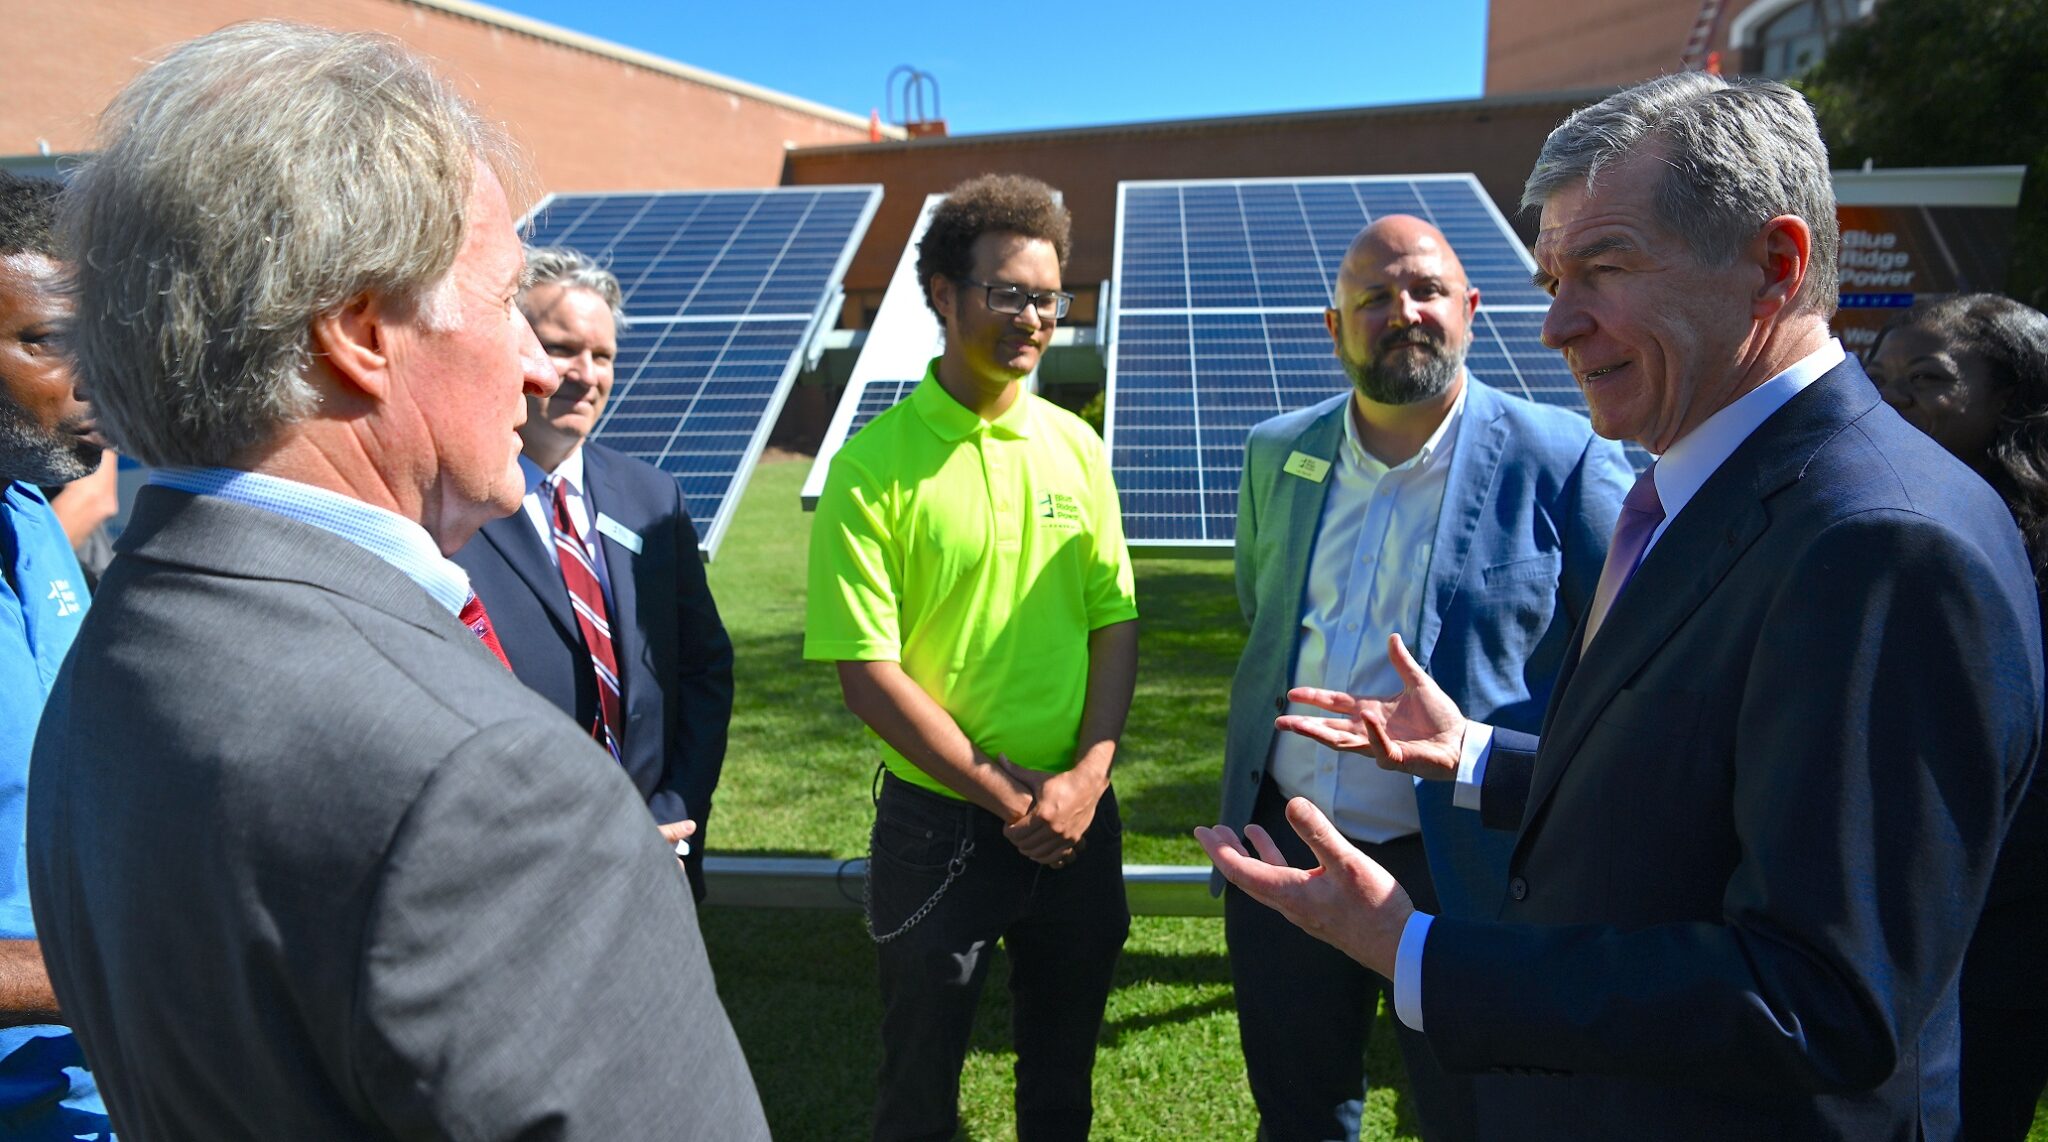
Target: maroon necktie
[[475, 619], [1641, 512], [587, 597]]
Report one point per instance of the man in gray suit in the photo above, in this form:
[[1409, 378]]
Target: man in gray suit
[[1425, 503], [307, 860]]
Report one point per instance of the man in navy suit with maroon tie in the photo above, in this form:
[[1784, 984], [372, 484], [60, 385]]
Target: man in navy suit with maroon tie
[[594, 585]]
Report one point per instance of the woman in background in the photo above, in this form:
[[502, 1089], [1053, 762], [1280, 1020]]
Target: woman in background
[[1972, 372]]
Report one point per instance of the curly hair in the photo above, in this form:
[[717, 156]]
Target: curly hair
[[988, 204], [2012, 340], [28, 215]]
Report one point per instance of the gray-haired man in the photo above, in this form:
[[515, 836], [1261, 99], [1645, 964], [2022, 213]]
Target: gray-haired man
[[1760, 825], [308, 862], [594, 584]]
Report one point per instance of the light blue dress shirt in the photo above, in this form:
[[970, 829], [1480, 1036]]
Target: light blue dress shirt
[[385, 534]]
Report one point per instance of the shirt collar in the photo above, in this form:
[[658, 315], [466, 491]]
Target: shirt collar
[[1433, 449], [387, 535], [1686, 466], [955, 421], [25, 494], [570, 470]]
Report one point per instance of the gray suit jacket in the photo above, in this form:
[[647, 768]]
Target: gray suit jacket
[[308, 863], [1528, 508]]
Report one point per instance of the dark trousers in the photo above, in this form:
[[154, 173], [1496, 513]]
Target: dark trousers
[[2005, 1067], [1305, 1009], [1063, 929]]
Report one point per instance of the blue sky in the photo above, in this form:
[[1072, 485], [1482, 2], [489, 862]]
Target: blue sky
[[1011, 66]]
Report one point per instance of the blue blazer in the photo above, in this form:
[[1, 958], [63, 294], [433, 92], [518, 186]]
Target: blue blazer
[[675, 661], [1761, 821], [1527, 513]]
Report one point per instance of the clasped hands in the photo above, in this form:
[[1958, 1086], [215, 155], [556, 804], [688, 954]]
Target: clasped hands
[[1053, 829], [1348, 901]]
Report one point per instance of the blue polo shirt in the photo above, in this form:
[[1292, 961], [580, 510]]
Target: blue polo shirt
[[46, 1094]]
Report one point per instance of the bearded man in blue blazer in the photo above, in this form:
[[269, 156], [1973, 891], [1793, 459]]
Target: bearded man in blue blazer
[[1760, 824], [639, 656], [1421, 502]]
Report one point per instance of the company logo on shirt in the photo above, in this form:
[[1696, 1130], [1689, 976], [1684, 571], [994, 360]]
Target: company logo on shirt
[[65, 598], [1057, 510]]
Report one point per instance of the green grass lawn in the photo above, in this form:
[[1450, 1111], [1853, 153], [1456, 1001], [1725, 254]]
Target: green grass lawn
[[800, 985]]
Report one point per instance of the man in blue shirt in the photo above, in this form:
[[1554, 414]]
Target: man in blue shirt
[[46, 437]]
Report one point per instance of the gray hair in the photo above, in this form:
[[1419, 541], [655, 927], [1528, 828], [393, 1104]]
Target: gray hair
[[573, 269], [249, 182], [1738, 153]]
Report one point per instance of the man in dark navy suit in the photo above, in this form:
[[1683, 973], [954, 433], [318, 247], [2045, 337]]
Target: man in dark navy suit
[[624, 636], [1787, 738]]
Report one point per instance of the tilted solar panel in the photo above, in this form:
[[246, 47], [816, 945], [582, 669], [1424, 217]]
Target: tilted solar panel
[[1216, 325], [724, 291], [901, 340]]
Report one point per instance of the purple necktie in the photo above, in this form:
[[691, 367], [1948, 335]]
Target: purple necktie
[[1641, 512]]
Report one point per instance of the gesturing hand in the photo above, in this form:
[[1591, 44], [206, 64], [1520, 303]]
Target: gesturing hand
[[1419, 731], [1348, 901]]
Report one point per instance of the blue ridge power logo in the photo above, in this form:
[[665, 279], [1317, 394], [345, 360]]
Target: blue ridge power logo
[[1058, 510]]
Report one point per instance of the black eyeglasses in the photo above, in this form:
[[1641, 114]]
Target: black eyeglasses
[[1051, 305]]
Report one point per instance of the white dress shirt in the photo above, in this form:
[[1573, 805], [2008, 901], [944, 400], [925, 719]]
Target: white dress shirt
[[1367, 577], [540, 512], [1683, 469]]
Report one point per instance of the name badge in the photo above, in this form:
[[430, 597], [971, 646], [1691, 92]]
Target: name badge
[[619, 533], [1307, 467]]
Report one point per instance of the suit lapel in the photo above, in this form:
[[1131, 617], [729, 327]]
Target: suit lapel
[[519, 544], [1703, 543], [1482, 437], [1298, 504], [1675, 578]]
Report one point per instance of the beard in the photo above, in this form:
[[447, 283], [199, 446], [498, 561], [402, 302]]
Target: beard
[[1394, 377], [33, 455]]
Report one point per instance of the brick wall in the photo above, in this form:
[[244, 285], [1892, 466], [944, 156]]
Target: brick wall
[[590, 122], [1542, 45]]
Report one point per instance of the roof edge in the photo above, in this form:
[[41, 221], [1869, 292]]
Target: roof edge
[[1575, 97], [484, 13]]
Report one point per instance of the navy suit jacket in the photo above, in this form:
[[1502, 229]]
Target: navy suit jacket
[[1528, 507], [675, 661], [1761, 821]]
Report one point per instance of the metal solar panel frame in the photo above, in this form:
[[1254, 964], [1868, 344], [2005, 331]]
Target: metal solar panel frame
[[1208, 546], [901, 342], [815, 321]]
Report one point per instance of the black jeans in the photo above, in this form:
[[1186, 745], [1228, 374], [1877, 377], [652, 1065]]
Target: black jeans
[[1063, 928], [1305, 1009]]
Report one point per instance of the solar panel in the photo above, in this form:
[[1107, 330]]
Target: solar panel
[[901, 342], [1216, 324], [725, 290]]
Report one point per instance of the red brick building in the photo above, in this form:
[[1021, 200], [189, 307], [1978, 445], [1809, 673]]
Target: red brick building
[[593, 115], [1539, 45]]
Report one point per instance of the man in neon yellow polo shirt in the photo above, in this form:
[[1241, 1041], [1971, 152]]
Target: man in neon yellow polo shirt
[[968, 575]]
